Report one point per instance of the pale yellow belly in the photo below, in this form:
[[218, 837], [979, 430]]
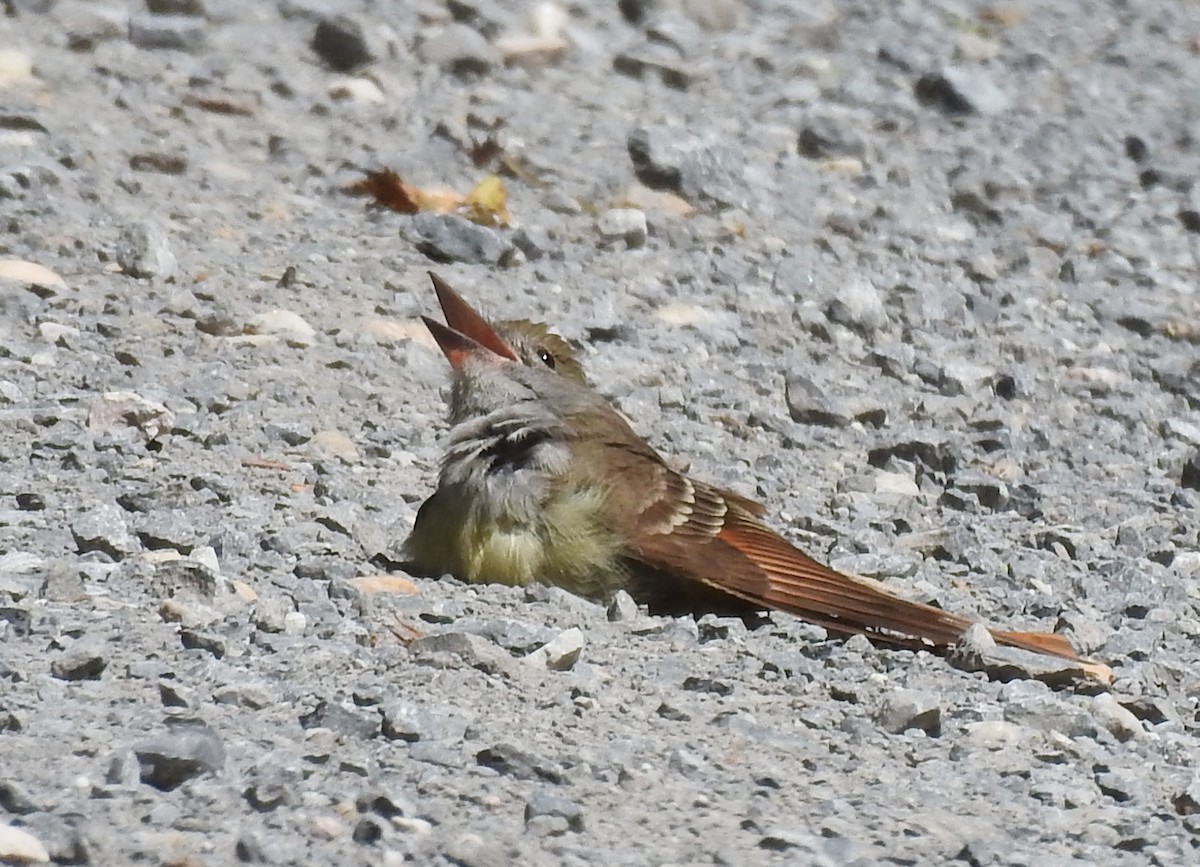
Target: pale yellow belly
[[569, 544]]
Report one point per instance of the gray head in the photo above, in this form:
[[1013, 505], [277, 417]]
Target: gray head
[[492, 377], [531, 342]]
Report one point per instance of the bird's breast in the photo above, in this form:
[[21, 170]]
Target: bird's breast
[[508, 512]]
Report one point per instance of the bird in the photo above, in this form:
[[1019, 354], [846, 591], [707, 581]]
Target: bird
[[543, 481]]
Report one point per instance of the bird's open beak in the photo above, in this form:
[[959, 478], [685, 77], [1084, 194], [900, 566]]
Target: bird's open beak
[[464, 322], [456, 346]]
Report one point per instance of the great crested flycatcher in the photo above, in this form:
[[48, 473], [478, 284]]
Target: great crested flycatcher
[[543, 481]]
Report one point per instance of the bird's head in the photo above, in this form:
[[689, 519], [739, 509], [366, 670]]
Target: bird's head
[[512, 362], [531, 343]]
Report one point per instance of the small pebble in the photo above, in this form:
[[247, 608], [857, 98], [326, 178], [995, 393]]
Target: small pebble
[[451, 238], [1119, 721], [143, 251], [31, 274], [18, 846], [170, 32], [623, 224], [560, 653], [459, 49], [341, 44], [906, 709], [286, 324]]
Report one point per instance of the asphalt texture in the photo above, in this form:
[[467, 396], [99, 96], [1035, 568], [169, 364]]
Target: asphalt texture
[[922, 278]]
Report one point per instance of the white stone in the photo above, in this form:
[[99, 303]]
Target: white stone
[[206, 556], [363, 91], [294, 623], [628, 224], [30, 273], [282, 323], [897, 484], [20, 847], [116, 410], [1119, 720], [559, 653], [16, 67]]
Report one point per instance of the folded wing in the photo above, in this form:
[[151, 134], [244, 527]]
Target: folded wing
[[697, 531]]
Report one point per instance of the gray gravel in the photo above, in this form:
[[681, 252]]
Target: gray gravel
[[920, 278]]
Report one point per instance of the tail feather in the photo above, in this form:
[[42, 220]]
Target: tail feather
[[796, 583], [1049, 643]]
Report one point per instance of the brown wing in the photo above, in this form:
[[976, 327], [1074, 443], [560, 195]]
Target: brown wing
[[693, 530], [797, 583]]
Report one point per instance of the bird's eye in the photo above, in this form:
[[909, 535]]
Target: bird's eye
[[546, 358]]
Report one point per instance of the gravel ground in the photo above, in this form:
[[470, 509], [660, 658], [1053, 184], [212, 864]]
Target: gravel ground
[[921, 277]]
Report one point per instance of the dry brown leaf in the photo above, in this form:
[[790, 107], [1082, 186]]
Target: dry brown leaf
[[387, 191], [487, 204], [483, 151], [439, 200]]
